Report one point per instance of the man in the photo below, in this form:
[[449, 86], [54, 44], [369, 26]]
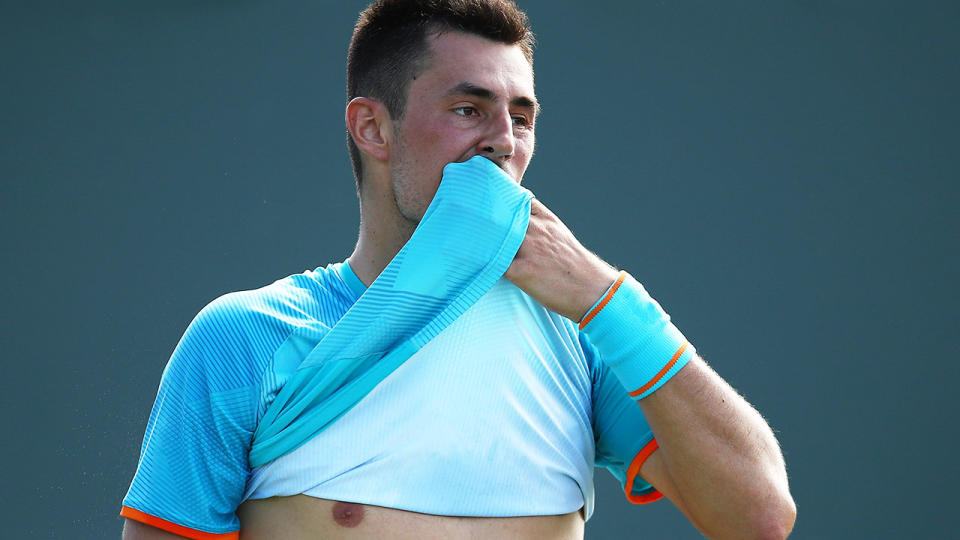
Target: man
[[464, 439]]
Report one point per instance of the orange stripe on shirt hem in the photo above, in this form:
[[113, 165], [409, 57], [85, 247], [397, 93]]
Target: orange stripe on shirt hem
[[606, 299], [169, 526], [634, 470], [662, 372]]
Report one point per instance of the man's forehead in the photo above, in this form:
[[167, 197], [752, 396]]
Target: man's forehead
[[449, 39], [466, 64]]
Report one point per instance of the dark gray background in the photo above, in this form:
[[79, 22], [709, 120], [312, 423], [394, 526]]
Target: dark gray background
[[781, 175]]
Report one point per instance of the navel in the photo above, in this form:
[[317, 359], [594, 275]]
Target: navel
[[347, 514]]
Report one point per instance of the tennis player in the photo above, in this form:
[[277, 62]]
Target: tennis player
[[491, 429]]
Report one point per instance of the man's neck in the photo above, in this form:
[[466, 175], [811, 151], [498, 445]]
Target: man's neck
[[383, 231]]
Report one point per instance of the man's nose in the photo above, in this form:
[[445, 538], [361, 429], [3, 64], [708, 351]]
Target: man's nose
[[498, 142]]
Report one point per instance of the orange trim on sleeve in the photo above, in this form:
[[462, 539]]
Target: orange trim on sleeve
[[662, 372], [634, 470], [606, 299], [171, 527]]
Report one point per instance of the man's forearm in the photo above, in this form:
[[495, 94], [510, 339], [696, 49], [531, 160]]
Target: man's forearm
[[718, 460]]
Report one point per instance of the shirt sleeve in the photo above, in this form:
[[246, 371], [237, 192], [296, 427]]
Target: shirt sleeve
[[193, 465], [622, 436]]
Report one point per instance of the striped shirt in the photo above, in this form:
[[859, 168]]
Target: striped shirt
[[505, 413]]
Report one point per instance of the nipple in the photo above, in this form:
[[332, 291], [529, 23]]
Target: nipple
[[347, 514]]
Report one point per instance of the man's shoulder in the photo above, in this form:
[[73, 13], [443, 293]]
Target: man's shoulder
[[245, 328], [304, 298]]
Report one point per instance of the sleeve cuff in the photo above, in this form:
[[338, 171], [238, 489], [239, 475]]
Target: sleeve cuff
[[650, 495], [171, 527]]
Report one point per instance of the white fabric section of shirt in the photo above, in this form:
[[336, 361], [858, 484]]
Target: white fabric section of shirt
[[491, 418]]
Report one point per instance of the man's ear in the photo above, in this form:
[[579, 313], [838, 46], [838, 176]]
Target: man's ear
[[368, 122]]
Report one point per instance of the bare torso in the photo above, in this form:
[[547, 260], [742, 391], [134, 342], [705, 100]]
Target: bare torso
[[304, 517]]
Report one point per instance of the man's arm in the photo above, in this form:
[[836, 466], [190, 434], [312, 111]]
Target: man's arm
[[718, 460], [193, 462]]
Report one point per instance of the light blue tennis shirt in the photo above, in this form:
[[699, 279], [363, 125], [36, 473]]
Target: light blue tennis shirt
[[493, 417], [504, 413]]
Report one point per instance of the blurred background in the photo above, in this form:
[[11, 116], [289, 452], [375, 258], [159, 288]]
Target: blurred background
[[782, 176]]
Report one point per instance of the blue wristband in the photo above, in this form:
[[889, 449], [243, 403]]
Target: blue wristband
[[635, 337]]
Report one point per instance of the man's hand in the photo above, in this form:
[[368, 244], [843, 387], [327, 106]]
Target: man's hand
[[555, 269]]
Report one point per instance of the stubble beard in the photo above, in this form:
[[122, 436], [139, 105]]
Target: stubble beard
[[410, 202]]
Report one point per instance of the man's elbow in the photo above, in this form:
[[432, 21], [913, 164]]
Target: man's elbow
[[767, 514], [776, 520], [762, 518], [775, 512]]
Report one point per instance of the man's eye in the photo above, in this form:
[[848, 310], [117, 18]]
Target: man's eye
[[466, 111], [520, 120]]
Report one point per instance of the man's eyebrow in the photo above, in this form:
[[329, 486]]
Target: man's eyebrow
[[470, 89]]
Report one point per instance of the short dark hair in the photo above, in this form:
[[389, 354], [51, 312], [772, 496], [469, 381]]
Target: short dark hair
[[389, 46]]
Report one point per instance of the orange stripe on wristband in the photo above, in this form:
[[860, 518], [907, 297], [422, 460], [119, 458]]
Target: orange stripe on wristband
[[171, 527], [662, 372], [606, 299]]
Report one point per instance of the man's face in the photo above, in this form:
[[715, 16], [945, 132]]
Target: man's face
[[475, 97]]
